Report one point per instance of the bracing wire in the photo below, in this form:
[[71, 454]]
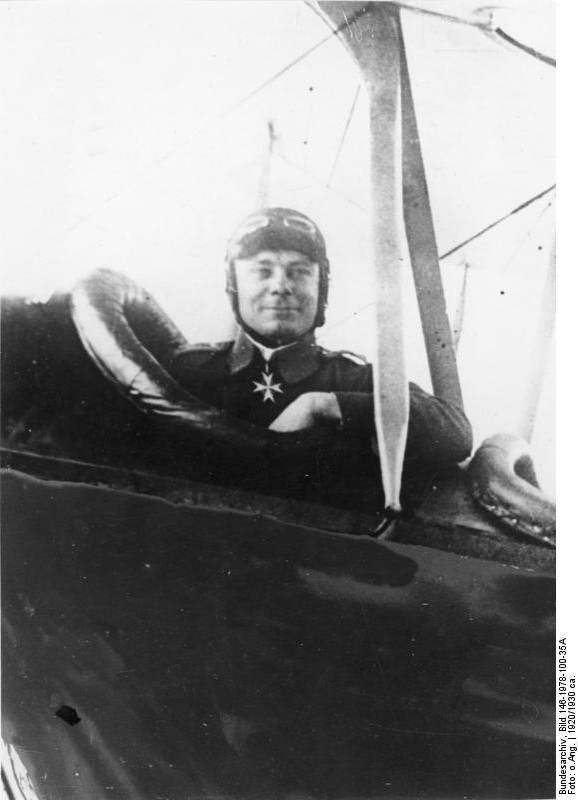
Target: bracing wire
[[526, 48], [315, 179], [343, 136], [497, 222], [526, 236], [348, 21]]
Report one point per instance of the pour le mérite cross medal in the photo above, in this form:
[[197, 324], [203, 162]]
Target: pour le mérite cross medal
[[268, 386]]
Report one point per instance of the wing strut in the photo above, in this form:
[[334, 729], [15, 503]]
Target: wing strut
[[368, 39], [424, 254]]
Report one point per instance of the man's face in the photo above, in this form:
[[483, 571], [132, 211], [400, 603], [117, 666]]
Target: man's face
[[277, 293]]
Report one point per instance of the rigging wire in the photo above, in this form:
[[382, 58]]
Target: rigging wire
[[526, 236], [497, 222], [344, 135], [526, 48], [355, 313], [314, 179], [347, 22]]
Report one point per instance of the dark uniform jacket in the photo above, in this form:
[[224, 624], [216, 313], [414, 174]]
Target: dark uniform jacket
[[235, 377]]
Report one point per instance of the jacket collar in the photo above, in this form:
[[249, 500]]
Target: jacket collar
[[293, 362]]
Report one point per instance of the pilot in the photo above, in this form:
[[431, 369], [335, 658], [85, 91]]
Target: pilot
[[274, 374]]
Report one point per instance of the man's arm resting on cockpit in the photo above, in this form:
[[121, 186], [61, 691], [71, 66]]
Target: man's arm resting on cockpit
[[438, 433]]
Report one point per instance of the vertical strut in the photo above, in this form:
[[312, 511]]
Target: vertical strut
[[424, 254], [374, 41]]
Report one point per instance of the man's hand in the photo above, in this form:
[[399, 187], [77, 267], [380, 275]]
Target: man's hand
[[310, 409]]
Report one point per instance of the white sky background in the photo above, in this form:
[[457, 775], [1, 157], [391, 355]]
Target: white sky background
[[124, 146]]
